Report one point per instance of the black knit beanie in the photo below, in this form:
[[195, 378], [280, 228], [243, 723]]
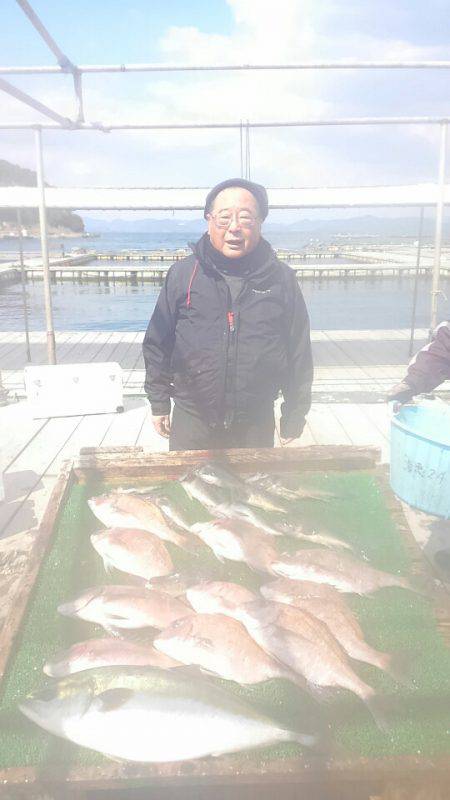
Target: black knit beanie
[[255, 189]]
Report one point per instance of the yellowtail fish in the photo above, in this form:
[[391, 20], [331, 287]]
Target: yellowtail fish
[[149, 715]]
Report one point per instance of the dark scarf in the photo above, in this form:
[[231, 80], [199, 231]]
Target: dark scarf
[[243, 266]]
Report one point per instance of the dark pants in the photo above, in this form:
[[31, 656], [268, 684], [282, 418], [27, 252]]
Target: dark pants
[[189, 432]]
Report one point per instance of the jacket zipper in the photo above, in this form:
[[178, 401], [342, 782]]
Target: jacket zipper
[[229, 369]]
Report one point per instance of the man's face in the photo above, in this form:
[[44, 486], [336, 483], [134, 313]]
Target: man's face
[[234, 225]]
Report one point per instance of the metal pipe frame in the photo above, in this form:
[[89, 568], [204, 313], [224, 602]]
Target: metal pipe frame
[[416, 282], [51, 346], [435, 290], [306, 65], [23, 284], [65, 65], [141, 126], [23, 97]]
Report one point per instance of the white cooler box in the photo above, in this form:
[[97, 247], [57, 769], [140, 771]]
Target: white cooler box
[[64, 390]]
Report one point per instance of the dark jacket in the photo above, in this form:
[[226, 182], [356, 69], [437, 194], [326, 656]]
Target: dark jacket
[[431, 365], [223, 366]]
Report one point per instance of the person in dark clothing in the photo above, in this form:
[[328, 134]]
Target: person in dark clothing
[[230, 331], [429, 367]]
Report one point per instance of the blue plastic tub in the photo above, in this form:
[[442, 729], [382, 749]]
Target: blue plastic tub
[[420, 457]]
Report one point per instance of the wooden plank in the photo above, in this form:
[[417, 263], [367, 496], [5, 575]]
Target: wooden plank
[[102, 464], [358, 425], [15, 357], [12, 624], [89, 432], [18, 429], [25, 473], [332, 778], [327, 429], [126, 427], [80, 351], [307, 438]]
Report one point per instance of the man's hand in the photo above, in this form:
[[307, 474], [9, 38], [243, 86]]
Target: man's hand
[[161, 424], [401, 393], [285, 442]]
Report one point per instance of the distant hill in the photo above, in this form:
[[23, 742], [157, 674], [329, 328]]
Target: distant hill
[[59, 220], [364, 225]]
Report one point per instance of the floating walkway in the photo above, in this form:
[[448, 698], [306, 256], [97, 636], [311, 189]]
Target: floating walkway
[[108, 271], [10, 270], [346, 261]]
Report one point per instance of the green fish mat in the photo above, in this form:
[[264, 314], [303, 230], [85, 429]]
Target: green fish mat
[[393, 620]]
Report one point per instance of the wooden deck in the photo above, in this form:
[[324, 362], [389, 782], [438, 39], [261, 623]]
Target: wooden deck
[[353, 371], [349, 365]]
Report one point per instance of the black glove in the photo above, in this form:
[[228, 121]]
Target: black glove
[[402, 393]]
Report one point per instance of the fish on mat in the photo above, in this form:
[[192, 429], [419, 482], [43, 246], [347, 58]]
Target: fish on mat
[[346, 573], [133, 551], [220, 645], [173, 511], [118, 510], [305, 644], [125, 607], [285, 590], [210, 496], [217, 475], [238, 541], [281, 528], [151, 715], [276, 487], [105, 653], [175, 584], [218, 597], [327, 604]]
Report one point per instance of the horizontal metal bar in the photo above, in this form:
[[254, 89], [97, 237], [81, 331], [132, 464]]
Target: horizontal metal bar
[[86, 68], [7, 87], [141, 126], [64, 63], [185, 198]]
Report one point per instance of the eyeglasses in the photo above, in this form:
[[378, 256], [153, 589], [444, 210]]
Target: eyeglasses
[[244, 220]]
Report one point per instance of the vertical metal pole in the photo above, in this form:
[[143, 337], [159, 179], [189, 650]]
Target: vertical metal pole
[[416, 283], [247, 174], [24, 291], [438, 234], [242, 154], [51, 348]]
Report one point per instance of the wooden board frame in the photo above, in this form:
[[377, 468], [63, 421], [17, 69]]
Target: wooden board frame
[[116, 465]]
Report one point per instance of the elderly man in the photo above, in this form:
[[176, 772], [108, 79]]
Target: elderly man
[[230, 331]]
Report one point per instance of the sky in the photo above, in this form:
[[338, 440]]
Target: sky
[[232, 31]]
